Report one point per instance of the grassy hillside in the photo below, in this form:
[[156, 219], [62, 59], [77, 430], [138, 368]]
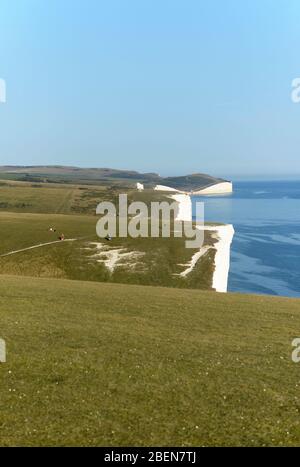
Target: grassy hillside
[[139, 260], [192, 182], [16, 196], [107, 364], [27, 210], [63, 198]]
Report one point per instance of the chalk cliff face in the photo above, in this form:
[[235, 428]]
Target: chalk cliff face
[[184, 207], [223, 234], [165, 188], [218, 188], [139, 186]]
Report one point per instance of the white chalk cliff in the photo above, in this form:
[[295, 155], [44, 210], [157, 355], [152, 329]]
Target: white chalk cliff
[[218, 188], [184, 207], [223, 234], [165, 188], [139, 186]]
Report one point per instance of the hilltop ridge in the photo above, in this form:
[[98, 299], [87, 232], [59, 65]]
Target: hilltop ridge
[[61, 173]]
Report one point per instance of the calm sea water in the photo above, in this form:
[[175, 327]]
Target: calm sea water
[[265, 253]]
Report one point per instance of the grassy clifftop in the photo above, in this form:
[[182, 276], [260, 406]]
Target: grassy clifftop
[[148, 261], [27, 210], [109, 364], [192, 182]]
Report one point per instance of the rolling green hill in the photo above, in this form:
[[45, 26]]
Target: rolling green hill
[[192, 182], [105, 364], [55, 198], [104, 176], [28, 210], [87, 257]]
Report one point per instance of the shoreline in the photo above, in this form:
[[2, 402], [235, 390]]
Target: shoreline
[[224, 236]]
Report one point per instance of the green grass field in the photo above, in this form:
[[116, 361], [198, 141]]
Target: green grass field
[[106, 364], [141, 264], [54, 198], [63, 198], [27, 210], [96, 360]]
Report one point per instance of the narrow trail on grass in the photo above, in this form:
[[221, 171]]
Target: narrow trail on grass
[[192, 263], [39, 245]]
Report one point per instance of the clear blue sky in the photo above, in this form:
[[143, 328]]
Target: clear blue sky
[[154, 85]]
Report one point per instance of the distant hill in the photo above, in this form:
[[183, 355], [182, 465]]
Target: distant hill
[[92, 173], [87, 175], [191, 182]]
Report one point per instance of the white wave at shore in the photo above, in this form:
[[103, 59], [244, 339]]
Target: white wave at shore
[[224, 236]]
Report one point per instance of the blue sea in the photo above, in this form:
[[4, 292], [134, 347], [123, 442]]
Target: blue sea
[[265, 253]]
